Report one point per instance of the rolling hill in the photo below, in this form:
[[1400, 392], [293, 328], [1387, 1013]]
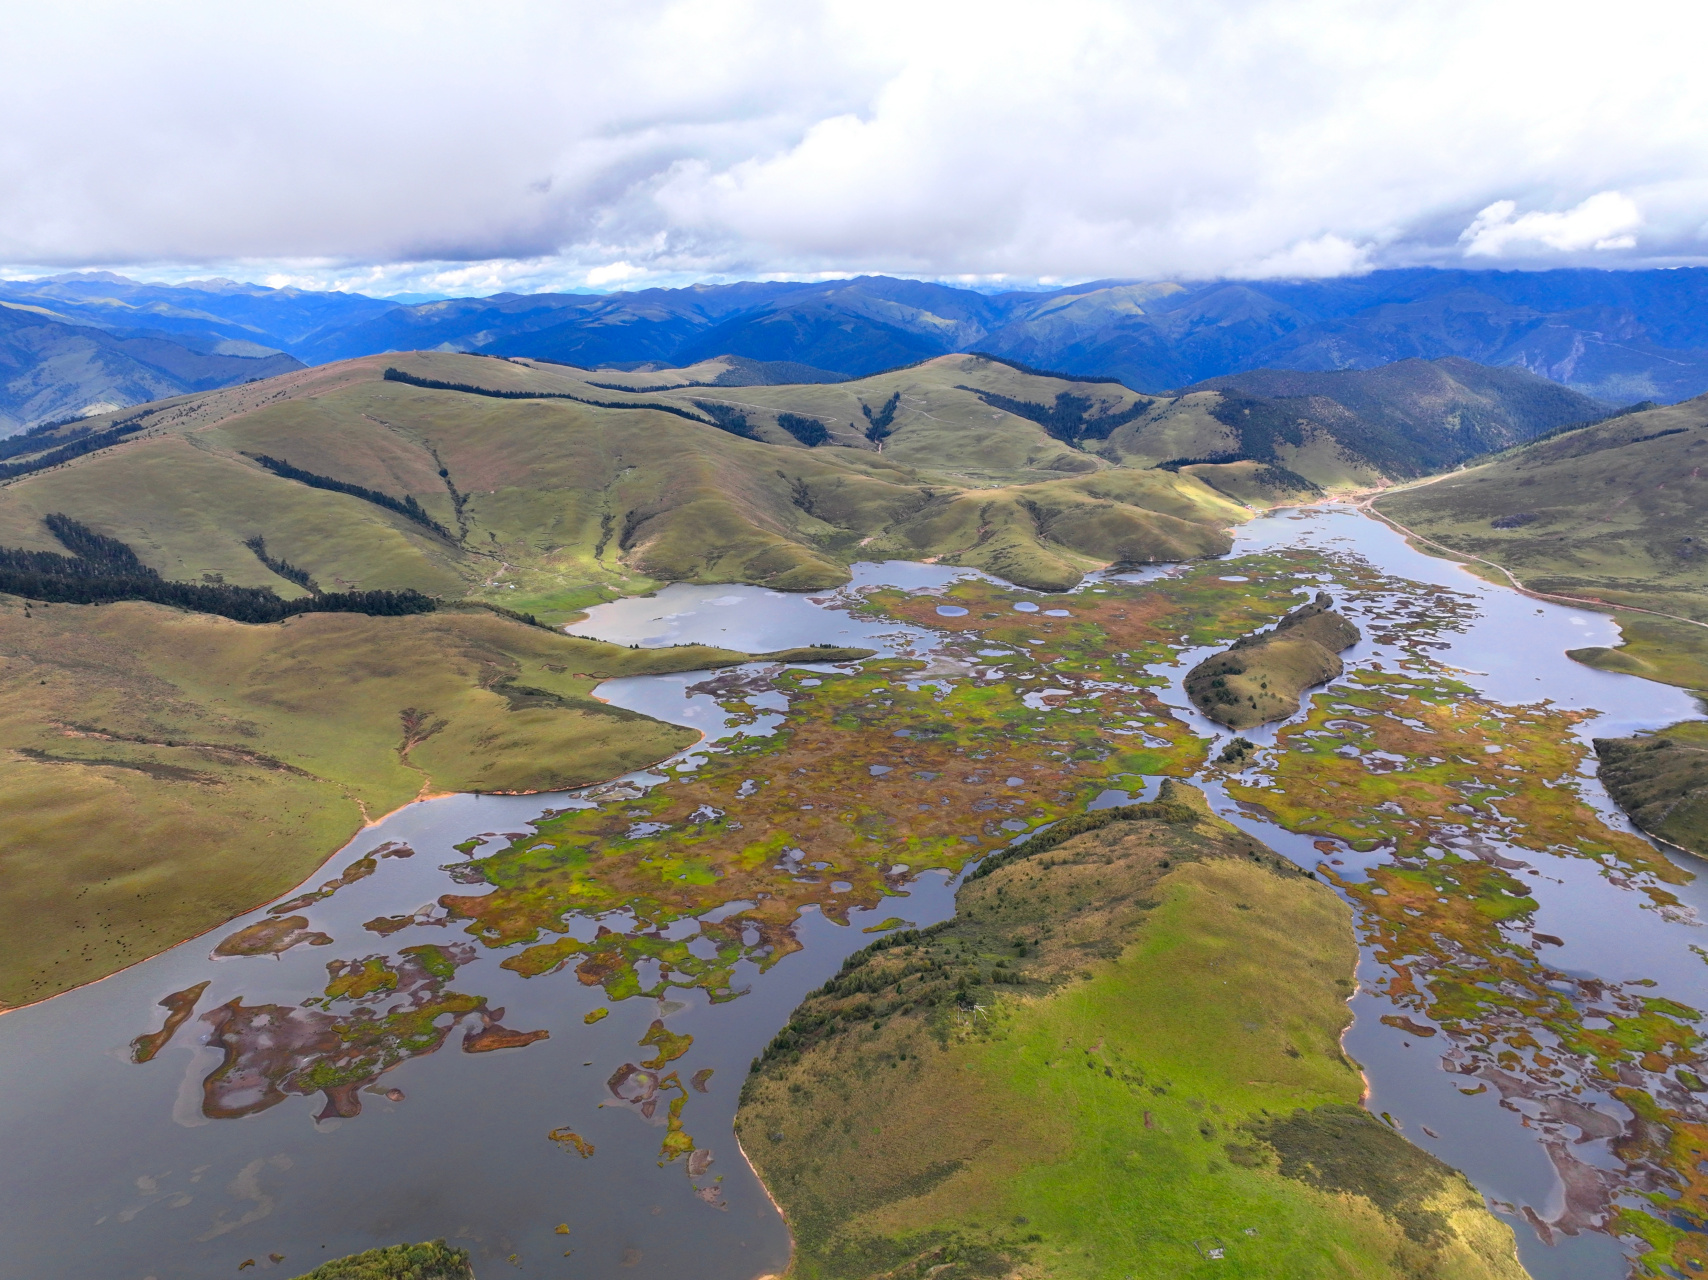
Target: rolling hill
[[539, 483], [1331, 430], [1616, 512], [162, 770], [544, 486], [1106, 1051]]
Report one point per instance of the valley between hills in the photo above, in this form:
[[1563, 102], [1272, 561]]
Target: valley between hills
[[538, 489], [440, 521]]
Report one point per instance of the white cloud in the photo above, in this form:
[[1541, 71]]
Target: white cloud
[[616, 273], [1602, 222], [1325, 255], [435, 146]]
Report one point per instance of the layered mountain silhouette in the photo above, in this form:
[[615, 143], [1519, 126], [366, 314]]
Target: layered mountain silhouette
[[1617, 336], [52, 370]]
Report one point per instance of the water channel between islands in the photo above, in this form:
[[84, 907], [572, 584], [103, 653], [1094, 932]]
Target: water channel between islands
[[131, 1170]]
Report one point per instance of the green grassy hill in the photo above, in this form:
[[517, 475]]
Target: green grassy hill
[[1616, 512], [1258, 438], [1661, 780], [161, 772], [1121, 1057], [548, 503], [164, 771], [546, 487], [1263, 675]]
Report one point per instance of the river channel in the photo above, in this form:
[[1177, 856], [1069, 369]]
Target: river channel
[[558, 1154]]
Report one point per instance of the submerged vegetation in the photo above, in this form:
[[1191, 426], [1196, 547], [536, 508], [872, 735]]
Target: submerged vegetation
[[1027, 709]]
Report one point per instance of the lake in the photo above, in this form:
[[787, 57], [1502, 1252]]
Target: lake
[[142, 1170]]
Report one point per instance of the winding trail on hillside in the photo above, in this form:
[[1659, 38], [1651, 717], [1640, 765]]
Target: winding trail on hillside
[[1365, 502]]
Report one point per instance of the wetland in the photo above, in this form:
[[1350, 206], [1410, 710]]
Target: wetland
[[528, 1033]]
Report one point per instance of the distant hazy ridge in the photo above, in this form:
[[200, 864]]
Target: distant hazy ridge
[[1617, 336]]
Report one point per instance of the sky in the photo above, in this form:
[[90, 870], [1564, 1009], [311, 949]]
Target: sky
[[440, 148]]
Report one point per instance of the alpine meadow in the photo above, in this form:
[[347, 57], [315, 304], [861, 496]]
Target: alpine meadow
[[745, 641]]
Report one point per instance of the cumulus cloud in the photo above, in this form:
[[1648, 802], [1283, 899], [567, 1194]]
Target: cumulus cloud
[[1602, 222], [442, 147]]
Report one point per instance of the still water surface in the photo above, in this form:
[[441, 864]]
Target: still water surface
[[113, 1170]]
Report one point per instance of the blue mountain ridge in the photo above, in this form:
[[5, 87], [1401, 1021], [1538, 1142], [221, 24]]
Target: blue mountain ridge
[[1619, 336]]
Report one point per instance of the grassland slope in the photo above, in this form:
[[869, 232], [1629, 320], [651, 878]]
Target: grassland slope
[[1616, 512], [161, 772], [544, 487], [1662, 781], [1121, 1057], [1388, 424]]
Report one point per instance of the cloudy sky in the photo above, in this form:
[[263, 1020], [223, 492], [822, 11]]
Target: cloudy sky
[[463, 148]]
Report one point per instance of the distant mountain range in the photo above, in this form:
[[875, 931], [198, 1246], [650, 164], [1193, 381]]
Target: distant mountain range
[[1618, 336], [51, 370]]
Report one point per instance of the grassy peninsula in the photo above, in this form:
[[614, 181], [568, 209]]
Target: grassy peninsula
[[1121, 1057], [1662, 781]]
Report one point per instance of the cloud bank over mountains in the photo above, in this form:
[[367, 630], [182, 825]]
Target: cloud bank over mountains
[[449, 148]]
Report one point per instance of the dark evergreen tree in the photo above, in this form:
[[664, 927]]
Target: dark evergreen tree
[[76, 447], [881, 423], [406, 506], [434, 384], [726, 417], [104, 570], [809, 431], [1066, 419], [284, 568]]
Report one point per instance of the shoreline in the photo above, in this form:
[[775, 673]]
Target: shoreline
[[781, 1216], [366, 824], [1364, 500]]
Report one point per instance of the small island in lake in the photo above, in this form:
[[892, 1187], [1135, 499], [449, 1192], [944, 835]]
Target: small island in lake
[[1261, 676]]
